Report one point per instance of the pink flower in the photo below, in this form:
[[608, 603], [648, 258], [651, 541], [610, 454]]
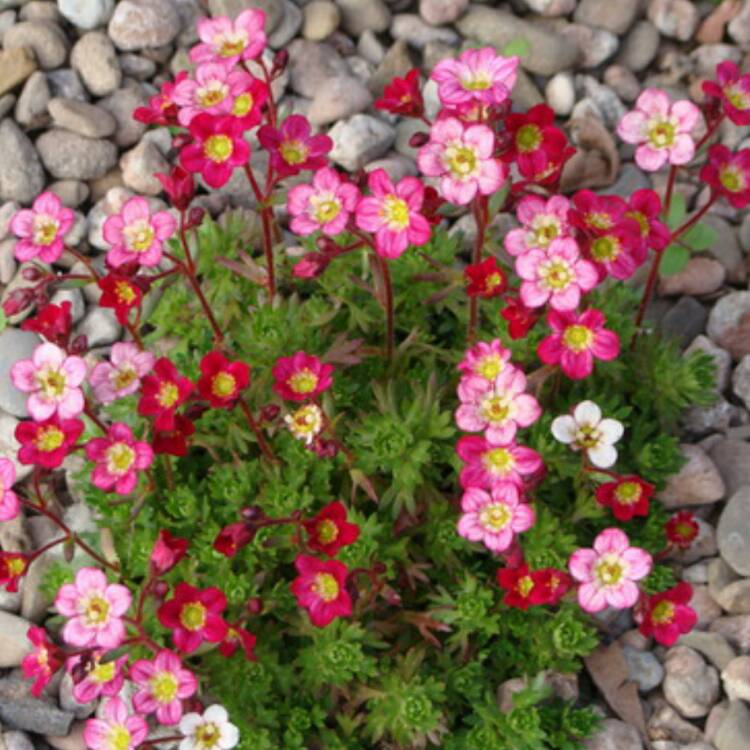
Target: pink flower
[[618, 251], [43, 661], [608, 572], [325, 205], [477, 75], [10, 506], [732, 89], [728, 174], [557, 276], [320, 588], [292, 147], [218, 147], [95, 608], [47, 443], [118, 730], [118, 459], [164, 685], [499, 406], [494, 518], [464, 160], [301, 377], [542, 221], [213, 91], [93, 677], [576, 340], [596, 214], [392, 214], [121, 376], [644, 207], [41, 228], [485, 360], [194, 615], [487, 463], [137, 236], [661, 130], [52, 378], [228, 42]]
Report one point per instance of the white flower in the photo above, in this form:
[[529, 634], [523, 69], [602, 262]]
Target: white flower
[[586, 430], [212, 731], [306, 423]]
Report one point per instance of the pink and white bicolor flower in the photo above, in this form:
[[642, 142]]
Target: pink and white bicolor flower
[[485, 359], [325, 205], [586, 430], [607, 574], [121, 376], [495, 517], [164, 684], [227, 41], [118, 729], [10, 505], [100, 677], [541, 223], [488, 463], [119, 457], [212, 90], [41, 229]]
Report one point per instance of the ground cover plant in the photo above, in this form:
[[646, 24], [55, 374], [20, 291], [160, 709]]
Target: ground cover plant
[[354, 481]]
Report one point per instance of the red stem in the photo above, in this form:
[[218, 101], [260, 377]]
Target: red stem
[[262, 443], [265, 217], [390, 330]]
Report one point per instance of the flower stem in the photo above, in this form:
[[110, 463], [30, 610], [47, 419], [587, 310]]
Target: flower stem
[[262, 442], [265, 217], [480, 217], [390, 332]]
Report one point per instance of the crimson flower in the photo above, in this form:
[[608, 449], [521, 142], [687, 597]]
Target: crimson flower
[[627, 496], [596, 214], [301, 377], [728, 174], [53, 322], [167, 552], [194, 615], [732, 89], [485, 279], [13, 566], [520, 318], [222, 381], [174, 442], [519, 585], [162, 393], [550, 585], [121, 294], [402, 96], [644, 207], [534, 140], [47, 443], [681, 529], [42, 662], [293, 148], [179, 186], [232, 538], [161, 110], [329, 531], [320, 588], [667, 615], [237, 636]]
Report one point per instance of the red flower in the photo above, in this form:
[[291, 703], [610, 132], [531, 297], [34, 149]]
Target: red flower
[[47, 443], [194, 616], [218, 147], [402, 96], [222, 381], [238, 636], [13, 567], [42, 662], [248, 106], [732, 89], [534, 141], [301, 377], [550, 585], [162, 393], [175, 441], [320, 588], [329, 531], [644, 207], [293, 148], [627, 496], [167, 552], [231, 539], [520, 587], [728, 174], [179, 186], [681, 529], [53, 322], [161, 110], [520, 318], [618, 251], [121, 294], [485, 279], [667, 616], [596, 214]]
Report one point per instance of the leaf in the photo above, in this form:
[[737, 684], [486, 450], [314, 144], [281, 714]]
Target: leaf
[[700, 237], [674, 260], [677, 211], [3, 321], [248, 270], [497, 200], [519, 46]]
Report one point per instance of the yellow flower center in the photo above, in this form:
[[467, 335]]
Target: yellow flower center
[[224, 384], [609, 570], [139, 236], [294, 152], [642, 221], [102, 673], [120, 458], [578, 338], [212, 94], [499, 460], [588, 436], [124, 377], [628, 493], [684, 530], [51, 382], [207, 735], [231, 45], [544, 232], [326, 587], [495, 408], [732, 179], [118, 738], [193, 616], [661, 134], [396, 213], [495, 517], [49, 439], [461, 161], [303, 381], [124, 292], [243, 104], [327, 531], [493, 281], [605, 248], [479, 81], [15, 566], [326, 207], [45, 230], [218, 148], [737, 98], [96, 610], [490, 367], [168, 394], [164, 687], [599, 220], [663, 613], [305, 422], [528, 138], [556, 274], [525, 585]]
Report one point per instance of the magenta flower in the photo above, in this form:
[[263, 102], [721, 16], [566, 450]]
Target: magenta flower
[[576, 340], [391, 213], [320, 587], [728, 174], [95, 608], [325, 205], [477, 75], [121, 376], [292, 148], [644, 207], [485, 360], [541, 222], [487, 464], [732, 89], [660, 129], [494, 518], [52, 378], [164, 685], [619, 251], [137, 236], [213, 90], [463, 159], [93, 677], [557, 276], [225, 41], [10, 506], [41, 228], [499, 406], [119, 458], [608, 572], [118, 730]]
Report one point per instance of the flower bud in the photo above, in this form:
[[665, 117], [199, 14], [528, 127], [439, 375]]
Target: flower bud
[[254, 605], [418, 140], [79, 345], [195, 217], [280, 61], [270, 413], [33, 273], [18, 300]]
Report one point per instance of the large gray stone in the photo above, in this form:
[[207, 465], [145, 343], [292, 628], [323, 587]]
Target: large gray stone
[[14, 345], [698, 481], [20, 710], [137, 24], [14, 644], [94, 58], [690, 685], [46, 39], [734, 730], [68, 155], [21, 173], [616, 17], [733, 532], [86, 14]]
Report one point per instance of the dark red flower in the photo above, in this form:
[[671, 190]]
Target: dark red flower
[[627, 496], [681, 529], [237, 636], [728, 174], [329, 531], [222, 381], [596, 214], [53, 322], [667, 615], [174, 442], [121, 294], [402, 96], [550, 585], [161, 110], [179, 185], [485, 279], [231, 539], [520, 318], [194, 616], [520, 587], [644, 207], [43, 661], [47, 443], [167, 552], [534, 141], [162, 393], [13, 566], [732, 89]]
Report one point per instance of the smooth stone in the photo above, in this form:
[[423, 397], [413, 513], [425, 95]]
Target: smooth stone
[[713, 646], [120, 104], [690, 685], [741, 380], [734, 729], [21, 173], [615, 17], [68, 155], [139, 166], [20, 710], [640, 47], [358, 16], [14, 643], [47, 40], [674, 18], [94, 57], [667, 725], [732, 458], [78, 117], [67, 83], [412, 29], [595, 45], [614, 734], [15, 345], [560, 93], [71, 192], [31, 107], [698, 482], [359, 140], [72, 741], [313, 63], [100, 327], [16, 740], [736, 629], [137, 24], [274, 10], [623, 82], [700, 276], [739, 26], [288, 28], [729, 323], [733, 532], [643, 668], [552, 8], [320, 19], [440, 12], [16, 65], [397, 62], [338, 98], [86, 14], [685, 320]]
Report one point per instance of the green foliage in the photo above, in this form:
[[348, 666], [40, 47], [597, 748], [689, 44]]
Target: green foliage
[[697, 238]]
